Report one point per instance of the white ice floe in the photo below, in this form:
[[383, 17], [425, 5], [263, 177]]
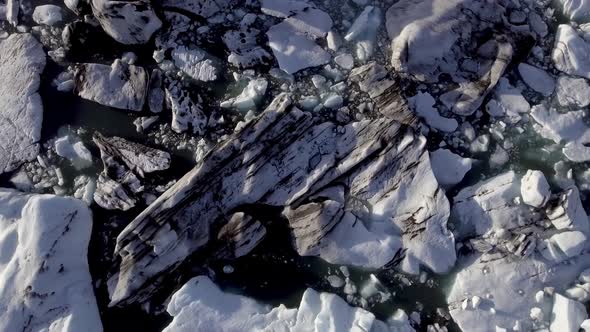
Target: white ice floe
[[534, 188], [293, 40], [201, 305], [567, 128], [120, 85], [449, 168], [345, 61], [294, 50], [47, 14], [567, 315], [73, 150], [537, 79], [573, 92], [508, 102], [249, 97], [195, 63], [128, 22], [364, 32], [46, 285], [570, 53], [423, 104], [576, 10], [21, 111]]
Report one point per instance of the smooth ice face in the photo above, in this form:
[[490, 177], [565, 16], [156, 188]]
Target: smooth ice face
[[46, 285]]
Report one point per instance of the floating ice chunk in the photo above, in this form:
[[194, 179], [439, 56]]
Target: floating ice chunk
[[449, 168], [423, 105], [333, 101], [568, 128], [249, 97], [47, 14], [345, 61], [73, 150], [574, 92], [22, 61], [537, 79], [534, 188], [300, 14], [185, 112], [128, 22], [567, 315], [334, 41], [508, 101], [144, 122], [576, 10], [201, 305], [195, 63], [569, 213], [364, 32], [562, 246], [570, 53], [294, 50], [120, 85], [46, 285]]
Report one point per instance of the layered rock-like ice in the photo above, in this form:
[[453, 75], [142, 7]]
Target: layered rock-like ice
[[46, 285], [537, 79], [287, 158], [21, 112], [567, 128], [570, 53], [119, 85], [47, 14], [573, 92], [128, 22], [449, 168], [576, 10], [201, 305]]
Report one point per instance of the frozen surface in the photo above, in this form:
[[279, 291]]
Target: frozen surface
[[44, 274]]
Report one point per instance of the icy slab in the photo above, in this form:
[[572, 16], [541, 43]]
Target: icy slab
[[21, 112], [576, 10], [201, 305], [568, 128], [568, 213], [245, 51], [573, 92], [567, 314], [128, 22], [570, 53], [284, 158], [302, 15], [186, 113], [73, 150], [120, 85], [423, 105], [46, 285], [195, 63], [561, 246], [364, 32], [534, 188], [449, 168], [294, 50], [47, 14], [249, 97], [537, 79]]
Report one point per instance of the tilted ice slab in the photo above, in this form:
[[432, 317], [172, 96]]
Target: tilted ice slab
[[44, 274], [128, 22], [570, 53], [119, 85], [200, 305], [567, 128], [285, 158], [21, 112], [537, 79], [449, 168]]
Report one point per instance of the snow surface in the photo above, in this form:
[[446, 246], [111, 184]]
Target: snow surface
[[46, 285]]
